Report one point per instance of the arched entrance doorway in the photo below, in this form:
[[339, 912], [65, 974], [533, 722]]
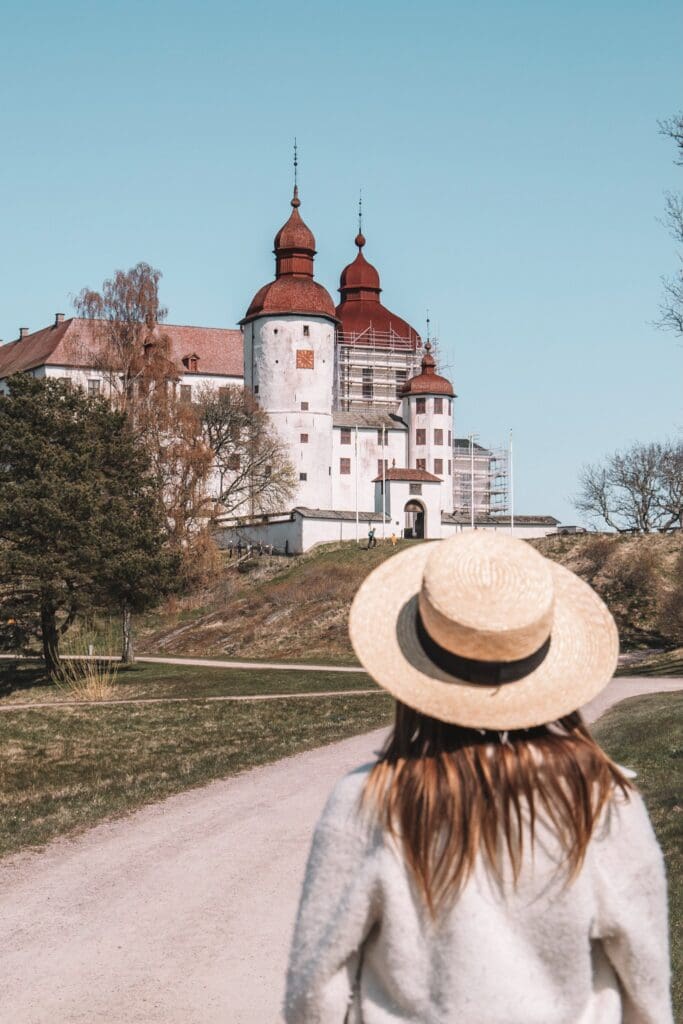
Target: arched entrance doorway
[[414, 519]]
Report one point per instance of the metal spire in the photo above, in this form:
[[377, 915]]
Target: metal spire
[[428, 323], [360, 211], [296, 163]]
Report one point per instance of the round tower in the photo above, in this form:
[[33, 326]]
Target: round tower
[[427, 408], [289, 339]]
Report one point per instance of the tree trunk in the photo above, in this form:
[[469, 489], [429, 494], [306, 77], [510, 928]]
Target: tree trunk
[[127, 650], [48, 628]]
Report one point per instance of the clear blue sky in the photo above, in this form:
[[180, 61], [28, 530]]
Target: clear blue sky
[[512, 175]]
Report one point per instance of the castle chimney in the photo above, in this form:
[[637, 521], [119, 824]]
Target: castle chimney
[[59, 318], [23, 331]]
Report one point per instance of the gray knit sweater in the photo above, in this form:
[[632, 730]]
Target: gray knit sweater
[[593, 952]]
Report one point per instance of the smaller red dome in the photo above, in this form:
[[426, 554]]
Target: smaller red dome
[[360, 274], [428, 381]]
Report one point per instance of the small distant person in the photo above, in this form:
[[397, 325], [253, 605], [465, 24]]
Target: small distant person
[[239, 548], [372, 541], [394, 540], [230, 548], [287, 547], [492, 864]]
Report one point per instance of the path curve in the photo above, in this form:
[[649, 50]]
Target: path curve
[[182, 912], [32, 705], [283, 666]]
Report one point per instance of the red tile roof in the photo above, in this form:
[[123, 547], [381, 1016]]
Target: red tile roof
[[413, 475], [291, 294], [70, 343]]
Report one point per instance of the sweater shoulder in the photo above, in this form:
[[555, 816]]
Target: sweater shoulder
[[343, 810]]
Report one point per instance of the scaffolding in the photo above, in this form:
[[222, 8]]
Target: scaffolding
[[481, 478], [372, 367]]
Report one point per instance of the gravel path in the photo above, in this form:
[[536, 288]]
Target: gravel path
[[180, 913]]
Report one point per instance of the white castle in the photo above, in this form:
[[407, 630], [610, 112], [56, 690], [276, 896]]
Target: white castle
[[367, 420]]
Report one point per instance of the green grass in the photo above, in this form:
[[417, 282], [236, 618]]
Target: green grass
[[24, 682], [65, 769], [646, 733]]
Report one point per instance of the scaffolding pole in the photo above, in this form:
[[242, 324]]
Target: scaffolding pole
[[512, 491]]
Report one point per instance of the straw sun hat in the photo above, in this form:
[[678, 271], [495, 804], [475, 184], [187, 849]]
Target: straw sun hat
[[483, 631]]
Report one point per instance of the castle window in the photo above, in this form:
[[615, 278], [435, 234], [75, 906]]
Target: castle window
[[189, 362], [93, 387], [420, 404], [256, 389], [380, 437], [223, 392], [185, 392], [345, 467], [415, 489], [233, 462], [304, 406], [420, 436], [420, 463], [367, 382], [303, 476], [306, 331], [303, 438], [450, 467], [345, 435], [449, 439], [401, 377], [438, 466], [305, 360], [438, 405], [438, 436], [382, 464]]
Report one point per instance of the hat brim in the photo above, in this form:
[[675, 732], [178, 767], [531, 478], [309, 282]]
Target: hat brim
[[581, 659]]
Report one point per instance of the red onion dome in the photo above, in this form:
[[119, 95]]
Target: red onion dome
[[294, 234], [293, 290], [428, 381], [360, 274], [360, 312]]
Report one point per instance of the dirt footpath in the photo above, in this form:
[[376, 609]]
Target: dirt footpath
[[182, 912]]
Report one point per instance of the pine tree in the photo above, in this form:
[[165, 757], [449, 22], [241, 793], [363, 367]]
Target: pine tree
[[81, 526]]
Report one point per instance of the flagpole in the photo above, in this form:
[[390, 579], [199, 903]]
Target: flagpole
[[384, 484], [356, 468], [472, 480]]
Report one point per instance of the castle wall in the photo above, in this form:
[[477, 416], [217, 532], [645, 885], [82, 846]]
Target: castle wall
[[364, 458]]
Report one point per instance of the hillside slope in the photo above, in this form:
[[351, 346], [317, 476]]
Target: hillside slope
[[297, 608]]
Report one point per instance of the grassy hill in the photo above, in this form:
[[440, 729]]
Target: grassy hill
[[297, 608]]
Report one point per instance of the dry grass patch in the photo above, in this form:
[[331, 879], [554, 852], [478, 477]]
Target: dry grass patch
[[67, 769]]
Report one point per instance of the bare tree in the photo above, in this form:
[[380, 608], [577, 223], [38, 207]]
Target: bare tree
[[124, 340], [640, 489], [127, 344], [253, 472], [671, 307]]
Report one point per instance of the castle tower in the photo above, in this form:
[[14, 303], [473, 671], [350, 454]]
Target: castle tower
[[289, 352], [427, 408], [377, 351]]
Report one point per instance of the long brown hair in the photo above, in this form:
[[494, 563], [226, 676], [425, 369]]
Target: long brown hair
[[448, 794]]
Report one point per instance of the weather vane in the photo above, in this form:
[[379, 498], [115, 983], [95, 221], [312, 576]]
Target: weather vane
[[360, 211], [296, 162], [428, 323]]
